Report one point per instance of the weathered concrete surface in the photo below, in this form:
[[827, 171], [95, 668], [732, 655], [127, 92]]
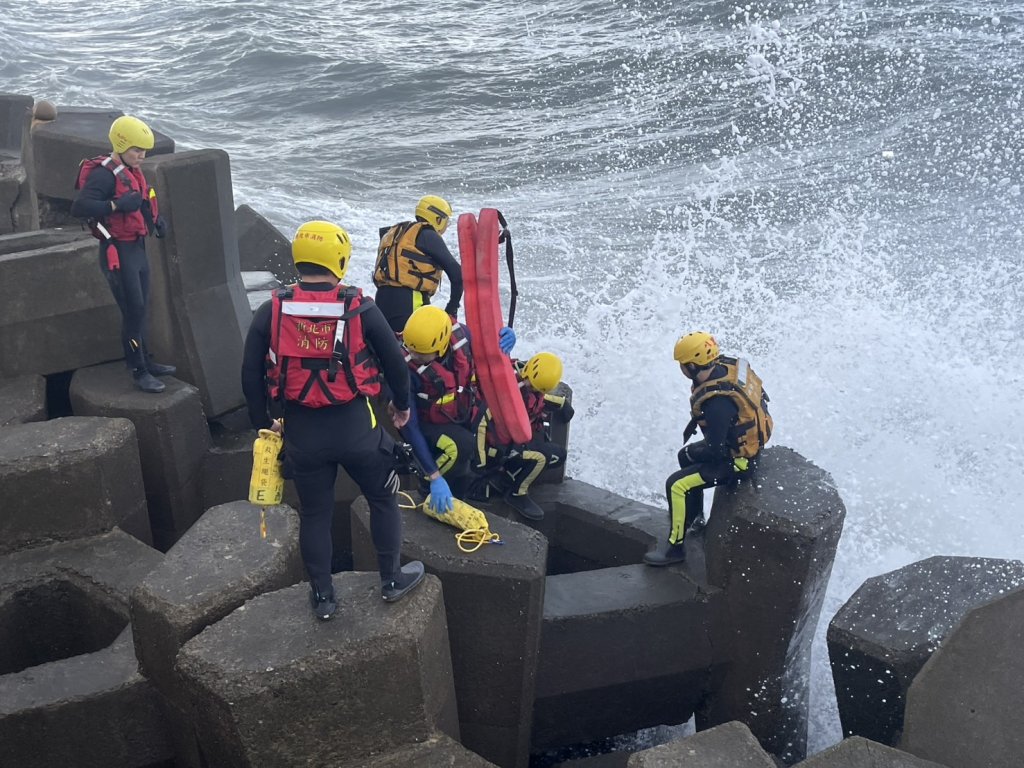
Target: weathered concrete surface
[[22, 400], [494, 599], [770, 544], [726, 746], [64, 316], [261, 246], [68, 478], [857, 752], [887, 630], [19, 211], [607, 760], [65, 599], [90, 711], [40, 239], [271, 685], [78, 133], [218, 564], [199, 311], [227, 468], [621, 649], [438, 751], [964, 707], [71, 693], [173, 439], [589, 527]]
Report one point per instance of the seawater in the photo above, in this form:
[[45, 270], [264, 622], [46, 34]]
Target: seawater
[[832, 188]]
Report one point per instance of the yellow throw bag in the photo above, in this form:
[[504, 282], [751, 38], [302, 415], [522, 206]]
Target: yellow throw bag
[[266, 485], [474, 528]]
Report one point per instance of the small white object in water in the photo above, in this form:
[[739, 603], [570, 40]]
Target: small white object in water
[[888, 154]]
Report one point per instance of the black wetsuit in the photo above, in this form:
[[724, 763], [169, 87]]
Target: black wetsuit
[[130, 282], [318, 440], [703, 464], [397, 303]]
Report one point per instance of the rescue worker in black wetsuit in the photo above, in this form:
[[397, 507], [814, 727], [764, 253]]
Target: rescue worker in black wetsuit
[[730, 406], [448, 402], [323, 348], [511, 470], [119, 205], [410, 261]]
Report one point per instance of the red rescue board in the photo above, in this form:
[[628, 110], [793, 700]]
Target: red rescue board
[[478, 250]]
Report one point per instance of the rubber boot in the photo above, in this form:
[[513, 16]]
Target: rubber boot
[[696, 528], [525, 506], [159, 369], [323, 605], [145, 381], [667, 554], [406, 580]]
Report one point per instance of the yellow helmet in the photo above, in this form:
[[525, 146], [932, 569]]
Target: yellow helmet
[[127, 132], [435, 211], [427, 330], [543, 371], [697, 348], [324, 244]]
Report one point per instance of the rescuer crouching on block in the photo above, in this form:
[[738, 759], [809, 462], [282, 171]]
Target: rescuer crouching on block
[[322, 346], [120, 209], [730, 406], [448, 403], [511, 470], [410, 261]]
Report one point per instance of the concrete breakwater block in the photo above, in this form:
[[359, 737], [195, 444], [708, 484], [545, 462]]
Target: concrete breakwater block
[[621, 649], [440, 751], [964, 707], [173, 438], [770, 543], [70, 690], [261, 246], [271, 685], [218, 564], [60, 145], [227, 468], [22, 400], [882, 637], [730, 745], [494, 599], [18, 207], [69, 478], [856, 752], [64, 316], [199, 310]]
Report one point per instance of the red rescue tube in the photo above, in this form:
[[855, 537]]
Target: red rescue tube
[[478, 248]]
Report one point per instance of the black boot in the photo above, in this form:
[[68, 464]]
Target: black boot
[[159, 369], [145, 381], [397, 587], [525, 506], [323, 605], [667, 554], [697, 526]]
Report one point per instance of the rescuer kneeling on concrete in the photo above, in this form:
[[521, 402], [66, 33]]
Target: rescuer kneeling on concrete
[[322, 347], [729, 405]]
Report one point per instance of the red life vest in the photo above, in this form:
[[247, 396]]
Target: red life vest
[[120, 225], [534, 402], [314, 361], [447, 385]]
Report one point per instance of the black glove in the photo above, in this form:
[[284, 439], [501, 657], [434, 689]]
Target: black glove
[[129, 202], [160, 227], [565, 413]]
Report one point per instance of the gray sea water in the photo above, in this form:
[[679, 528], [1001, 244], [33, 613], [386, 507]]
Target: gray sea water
[[832, 188]]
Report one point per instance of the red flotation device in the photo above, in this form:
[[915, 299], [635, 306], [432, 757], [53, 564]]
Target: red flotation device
[[478, 249]]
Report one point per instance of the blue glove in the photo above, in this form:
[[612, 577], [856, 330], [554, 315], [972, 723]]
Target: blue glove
[[160, 227], [506, 339], [440, 496]]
